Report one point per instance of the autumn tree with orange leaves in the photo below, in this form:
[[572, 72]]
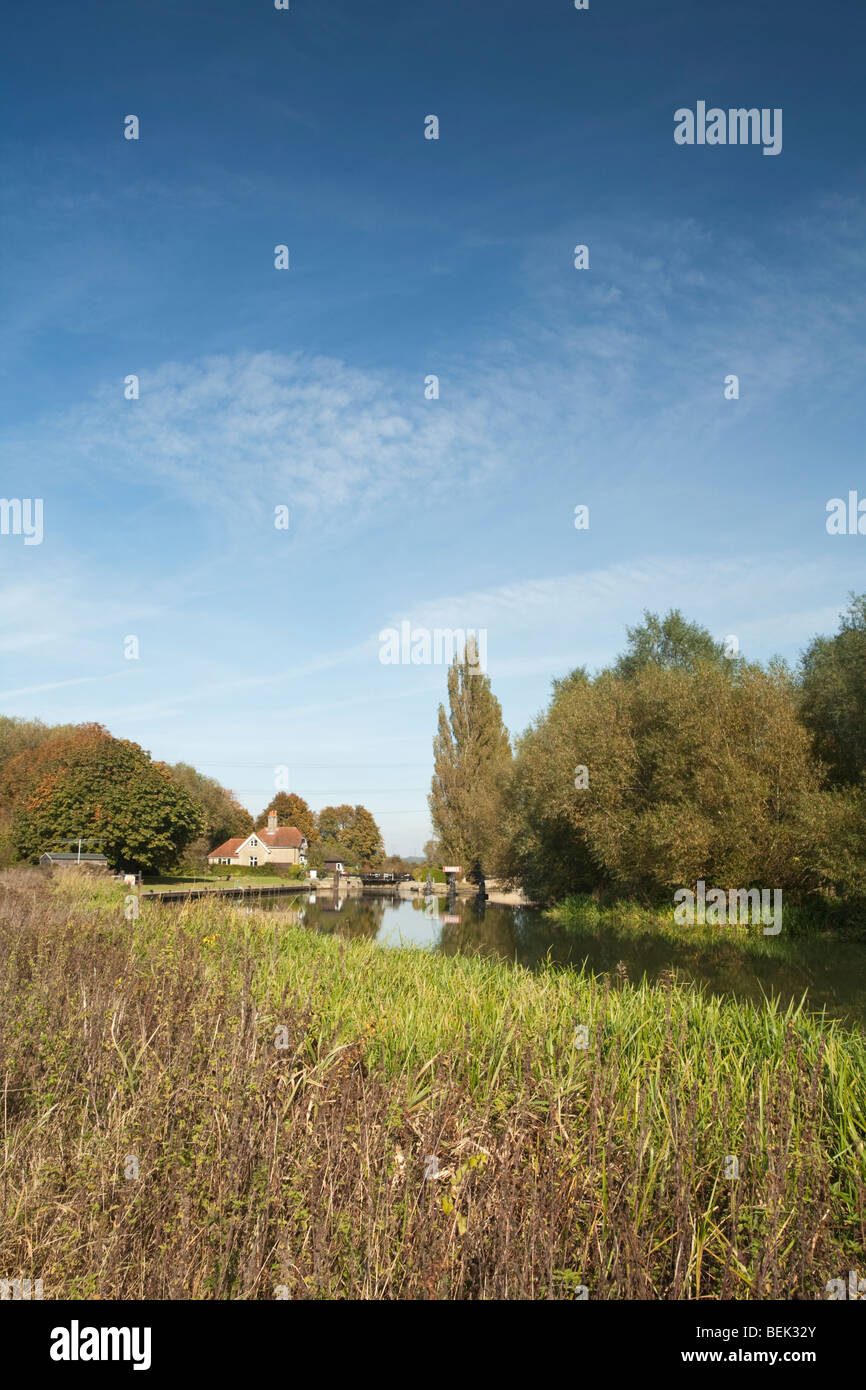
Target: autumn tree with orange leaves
[[102, 789]]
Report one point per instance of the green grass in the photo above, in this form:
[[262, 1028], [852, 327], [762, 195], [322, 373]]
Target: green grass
[[426, 1005], [825, 918], [237, 881], [304, 1166]]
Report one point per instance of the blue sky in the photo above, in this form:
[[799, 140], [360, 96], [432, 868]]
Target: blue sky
[[605, 387]]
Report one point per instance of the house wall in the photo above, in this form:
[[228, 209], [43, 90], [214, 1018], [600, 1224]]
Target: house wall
[[278, 855]]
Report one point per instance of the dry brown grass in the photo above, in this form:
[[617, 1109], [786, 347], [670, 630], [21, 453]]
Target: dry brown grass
[[299, 1171]]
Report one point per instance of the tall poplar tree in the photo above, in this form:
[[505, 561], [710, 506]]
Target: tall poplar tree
[[472, 763]]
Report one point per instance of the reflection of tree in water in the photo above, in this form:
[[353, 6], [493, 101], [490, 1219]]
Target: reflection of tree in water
[[350, 916], [278, 915], [524, 936], [766, 966], [833, 972]]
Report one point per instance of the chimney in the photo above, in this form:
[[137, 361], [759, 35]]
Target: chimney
[[272, 821]]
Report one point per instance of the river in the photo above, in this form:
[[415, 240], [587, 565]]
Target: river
[[831, 972]]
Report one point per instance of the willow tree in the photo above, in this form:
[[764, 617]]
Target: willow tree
[[472, 765], [671, 643], [644, 784], [833, 696]]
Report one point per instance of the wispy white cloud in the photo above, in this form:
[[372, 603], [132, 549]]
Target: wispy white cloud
[[63, 604], [768, 600], [634, 380], [252, 431], [60, 685]]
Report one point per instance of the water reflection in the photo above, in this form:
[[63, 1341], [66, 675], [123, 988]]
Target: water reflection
[[831, 972], [357, 915]]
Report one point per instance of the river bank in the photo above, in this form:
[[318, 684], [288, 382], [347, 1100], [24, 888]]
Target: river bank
[[322, 1116]]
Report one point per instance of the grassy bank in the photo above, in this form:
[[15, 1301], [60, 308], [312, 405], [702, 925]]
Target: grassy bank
[[826, 918], [167, 885], [283, 1094], [226, 878]]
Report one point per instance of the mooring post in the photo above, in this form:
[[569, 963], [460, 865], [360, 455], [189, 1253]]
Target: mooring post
[[451, 871]]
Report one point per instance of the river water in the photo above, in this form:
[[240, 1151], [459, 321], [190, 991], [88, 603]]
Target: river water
[[831, 972]]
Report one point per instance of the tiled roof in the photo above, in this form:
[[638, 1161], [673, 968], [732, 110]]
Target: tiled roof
[[286, 837], [230, 848]]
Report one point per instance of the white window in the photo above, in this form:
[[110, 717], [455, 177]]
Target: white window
[[254, 861], [254, 842]]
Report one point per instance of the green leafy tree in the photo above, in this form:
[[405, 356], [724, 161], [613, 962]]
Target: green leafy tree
[[833, 695], [671, 643], [365, 838], [328, 849], [643, 784], [472, 765], [396, 864], [18, 736], [355, 829], [291, 809], [333, 820], [103, 789], [698, 775], [433, 854], [21, 735], [547, 848], [224, 817]]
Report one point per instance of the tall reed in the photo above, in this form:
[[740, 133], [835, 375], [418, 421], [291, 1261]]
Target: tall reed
[[316, 1118]]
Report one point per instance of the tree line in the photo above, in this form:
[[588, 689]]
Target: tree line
[[64, 782], [344, 832], [677, 763]]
